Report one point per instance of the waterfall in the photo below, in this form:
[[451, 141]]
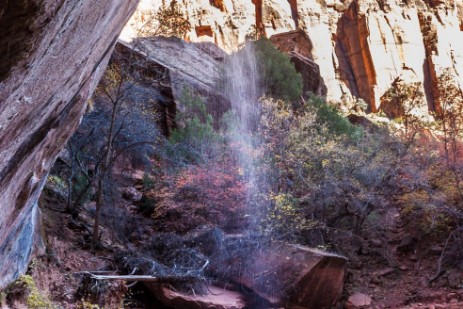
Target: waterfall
[[254, 250], [242, 89], [242, 85]]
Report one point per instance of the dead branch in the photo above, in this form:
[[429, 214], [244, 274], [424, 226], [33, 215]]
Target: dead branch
[[441, 258], [141, 278]]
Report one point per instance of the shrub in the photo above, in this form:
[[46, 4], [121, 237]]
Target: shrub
[[80, 187], [194, 140], [146, 205], [286, 211], [328, 116], [148, 182]]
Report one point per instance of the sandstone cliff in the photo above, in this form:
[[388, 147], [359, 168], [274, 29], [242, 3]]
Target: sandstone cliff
[[360, 46], [53, 55]]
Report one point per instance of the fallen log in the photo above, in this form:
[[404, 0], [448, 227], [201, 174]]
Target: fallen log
[[141, 278]]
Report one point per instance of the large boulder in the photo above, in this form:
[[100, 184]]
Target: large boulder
[[286, 275], [272, 274], [53, 55], [188, 64]]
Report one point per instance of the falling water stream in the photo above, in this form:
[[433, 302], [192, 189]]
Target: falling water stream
[[241, 87]]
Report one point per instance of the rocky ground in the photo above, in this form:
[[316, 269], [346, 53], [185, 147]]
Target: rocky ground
[[390, 270], [395, 271], [371, 281]]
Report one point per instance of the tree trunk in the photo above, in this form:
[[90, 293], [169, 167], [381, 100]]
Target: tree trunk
[[105, 169], [99, 204]]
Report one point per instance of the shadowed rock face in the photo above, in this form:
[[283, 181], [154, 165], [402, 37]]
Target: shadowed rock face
[[53, 54], [20, 18]]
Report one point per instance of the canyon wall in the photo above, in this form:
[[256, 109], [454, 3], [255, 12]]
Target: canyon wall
[[360, 46], [53, 55]]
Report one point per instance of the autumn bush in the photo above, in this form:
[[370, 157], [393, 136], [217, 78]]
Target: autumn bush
[[203, 194], [168, 20], [330, 174]]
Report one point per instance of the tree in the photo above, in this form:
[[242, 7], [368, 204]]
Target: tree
[[401, 101], [450, 114], [122, 127], [279, 77], [132, 128], [114, 86]]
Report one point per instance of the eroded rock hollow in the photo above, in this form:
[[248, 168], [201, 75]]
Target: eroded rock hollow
[[53, 55]]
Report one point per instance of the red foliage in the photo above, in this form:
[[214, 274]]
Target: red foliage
[[203, 194]]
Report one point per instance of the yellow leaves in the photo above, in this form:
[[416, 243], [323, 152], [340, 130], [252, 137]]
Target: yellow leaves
[[90, 105], [422, 211], [88, 305], [286, 218], [114, 82]]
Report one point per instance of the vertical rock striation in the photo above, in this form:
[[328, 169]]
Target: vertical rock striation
[[53, 54], [384, 40], [360, 46]]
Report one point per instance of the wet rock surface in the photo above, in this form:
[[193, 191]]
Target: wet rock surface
[[53, 55], [285, 275]]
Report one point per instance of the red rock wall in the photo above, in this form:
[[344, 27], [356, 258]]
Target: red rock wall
[[361, 46], [53, 55]]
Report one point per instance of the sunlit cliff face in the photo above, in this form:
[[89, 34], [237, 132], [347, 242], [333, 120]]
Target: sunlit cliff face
[[361, 46]]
